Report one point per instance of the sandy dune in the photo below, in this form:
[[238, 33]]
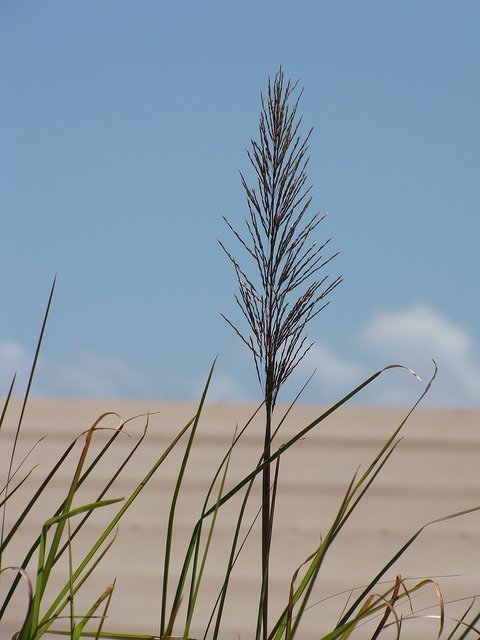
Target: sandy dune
[[433, 472]]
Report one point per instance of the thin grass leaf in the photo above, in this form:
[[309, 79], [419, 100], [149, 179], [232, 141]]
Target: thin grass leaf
[[191, 607], [7, 401], [25, 401], [171, 517], [71, 596]]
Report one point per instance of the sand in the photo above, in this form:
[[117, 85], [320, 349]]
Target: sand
[[433, 472]]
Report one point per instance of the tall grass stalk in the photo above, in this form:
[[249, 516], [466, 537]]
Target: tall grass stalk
[[281, 291]]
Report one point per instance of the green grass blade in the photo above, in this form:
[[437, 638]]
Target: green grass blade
[[301, 434], [7, 400], [191, 607], [171, 517], [27, 392]]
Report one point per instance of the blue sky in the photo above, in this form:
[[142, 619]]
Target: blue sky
[[123, 127]]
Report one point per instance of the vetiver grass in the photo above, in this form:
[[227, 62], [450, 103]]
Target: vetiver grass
[[277, 341]]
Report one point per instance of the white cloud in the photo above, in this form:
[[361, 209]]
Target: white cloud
[[14, 358], [411, 336], [333, 374], [223, 388], [414, 336], [87, 374]]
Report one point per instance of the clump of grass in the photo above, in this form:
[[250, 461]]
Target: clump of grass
[[277, 341]]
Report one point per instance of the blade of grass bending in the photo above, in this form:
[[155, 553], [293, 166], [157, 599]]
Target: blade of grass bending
[[19, 521], [303, 432], [191, 607], [32, 624], [389, 443], [40, 490], [120, 514], [119, 469], [171, 517], [408, 593], [60, 521], [23, 575]]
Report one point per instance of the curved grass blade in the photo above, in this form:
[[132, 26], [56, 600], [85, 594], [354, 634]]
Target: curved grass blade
[[23, 575], [119, 469], [303, 432]]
